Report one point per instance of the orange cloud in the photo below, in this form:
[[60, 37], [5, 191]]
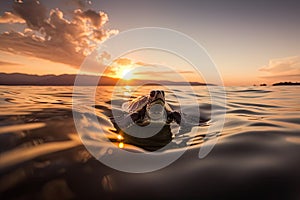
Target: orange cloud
[[7, 63], [97, 19], [117, 67], [55, 38], [162, 72], [288, 68], [11, 18], [32, 11], [123, 61]]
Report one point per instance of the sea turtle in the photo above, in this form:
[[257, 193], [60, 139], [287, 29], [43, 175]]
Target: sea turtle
[[152, 115], [152, 107]]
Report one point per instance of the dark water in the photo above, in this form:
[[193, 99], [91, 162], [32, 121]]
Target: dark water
[[257, 155]]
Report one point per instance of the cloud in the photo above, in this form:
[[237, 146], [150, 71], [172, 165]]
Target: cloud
[[123, 61], [8, 63], [282, 68], [32, 11], [138, 68], [55, 37], [10, 18], [290, 77], [98, 19], [164, 72], [117, 66]]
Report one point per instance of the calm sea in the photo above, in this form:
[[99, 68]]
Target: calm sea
[[257, 155]]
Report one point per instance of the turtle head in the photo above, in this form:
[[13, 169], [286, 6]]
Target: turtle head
[[156, 105]]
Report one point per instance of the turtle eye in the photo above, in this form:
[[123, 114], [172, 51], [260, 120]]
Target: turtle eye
[[152, 93], [163, 92]]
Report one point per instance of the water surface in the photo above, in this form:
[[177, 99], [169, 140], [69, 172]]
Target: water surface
[[257, 154]]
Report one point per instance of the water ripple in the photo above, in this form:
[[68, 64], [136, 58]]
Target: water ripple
[[40, 148]]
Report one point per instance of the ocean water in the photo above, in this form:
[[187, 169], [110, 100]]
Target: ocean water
[[257, 154]]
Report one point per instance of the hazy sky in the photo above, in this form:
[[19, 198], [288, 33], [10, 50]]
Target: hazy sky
[[249, 41]]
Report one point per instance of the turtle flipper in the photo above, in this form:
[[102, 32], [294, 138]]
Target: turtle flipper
[[177, 117], [174, 116]]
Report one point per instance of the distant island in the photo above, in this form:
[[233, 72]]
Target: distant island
[[286, 83], [87, 80]]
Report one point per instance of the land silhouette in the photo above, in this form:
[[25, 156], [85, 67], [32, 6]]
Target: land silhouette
[[69, 80], [286, 83]]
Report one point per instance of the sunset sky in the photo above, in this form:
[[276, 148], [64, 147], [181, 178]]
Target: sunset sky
[[251, 42]]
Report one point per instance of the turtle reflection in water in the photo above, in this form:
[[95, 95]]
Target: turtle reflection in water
[[147, 115]]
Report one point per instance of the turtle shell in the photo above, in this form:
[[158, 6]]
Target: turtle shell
[[136, 104], [139, 103]]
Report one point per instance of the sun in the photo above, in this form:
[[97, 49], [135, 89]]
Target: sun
[[126, 74]]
